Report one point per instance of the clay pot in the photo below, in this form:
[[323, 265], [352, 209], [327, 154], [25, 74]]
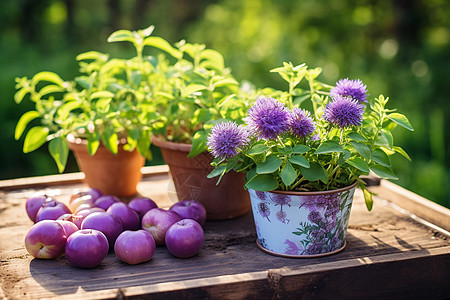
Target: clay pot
[[224, 201], [112, 174]]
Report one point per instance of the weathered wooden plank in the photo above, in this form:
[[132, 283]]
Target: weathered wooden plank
[[415, 204], [230, 266], [351, 278], [68, 178]]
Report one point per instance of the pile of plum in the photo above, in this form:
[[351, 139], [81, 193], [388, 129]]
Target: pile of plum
[[93, 224]]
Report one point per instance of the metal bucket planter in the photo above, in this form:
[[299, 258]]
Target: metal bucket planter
[[302, 224]]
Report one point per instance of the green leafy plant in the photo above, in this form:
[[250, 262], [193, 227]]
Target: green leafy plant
[[283, 147], [198, 92], [110, 102]]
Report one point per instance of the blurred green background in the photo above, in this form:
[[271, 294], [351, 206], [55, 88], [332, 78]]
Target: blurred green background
[[400, 48]]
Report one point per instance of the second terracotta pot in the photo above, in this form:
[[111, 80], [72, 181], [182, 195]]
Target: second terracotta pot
[[224, 201], [112, 174]]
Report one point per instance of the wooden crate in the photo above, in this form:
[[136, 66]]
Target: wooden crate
[[391, 253]]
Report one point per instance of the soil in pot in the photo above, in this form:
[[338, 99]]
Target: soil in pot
[[112, 174], [224, 201]]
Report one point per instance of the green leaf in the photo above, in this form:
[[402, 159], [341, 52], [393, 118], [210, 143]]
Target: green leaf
[[270, 165], [344, 156], [162, 44], [368, 199], [356, 137], [65, 109], [50, 89], [94, 55], [314, 172], [47, 76], [219, 170], [143, 144], [19, 95], [59, 150], [329, 147], [380, 157], [225, 81], [102, 94], [288, 174], [214, 59], [136, 78], [121, 35], [362, 149], [192, 88], [384, 139], [383, 172], [147, 31], [300, 149], [93, 142], [402, 152], [401, 120], [264, 183], [299, 160], [358, 163], [250, 174], [198, 143], [24, 120], [35, 138], [257, 149], [110, 140]]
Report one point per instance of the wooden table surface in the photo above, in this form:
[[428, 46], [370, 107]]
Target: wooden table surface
[[391, 253]]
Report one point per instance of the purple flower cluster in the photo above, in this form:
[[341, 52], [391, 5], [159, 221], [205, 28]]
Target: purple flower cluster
[[315, 202], [281, 199], [302, 124], [264, 210], [354, 89], [344, 112], [269, 117], [227, 139], [324, 212]]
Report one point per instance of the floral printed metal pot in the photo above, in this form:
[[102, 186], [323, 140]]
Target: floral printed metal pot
[[302, 224]]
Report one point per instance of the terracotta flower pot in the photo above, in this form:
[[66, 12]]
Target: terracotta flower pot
[[112, 174], [224, 201], [302, 224]]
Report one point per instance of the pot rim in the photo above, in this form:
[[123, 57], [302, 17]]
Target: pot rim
[[72, 139], [157, 141], [316, 193]]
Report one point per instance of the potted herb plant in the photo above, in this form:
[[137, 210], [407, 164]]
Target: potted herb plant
[[302, 166], [198, 92], [103, 115]]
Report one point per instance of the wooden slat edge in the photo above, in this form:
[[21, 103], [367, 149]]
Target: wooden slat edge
[[417, 205], [68, 178], [173, 287]]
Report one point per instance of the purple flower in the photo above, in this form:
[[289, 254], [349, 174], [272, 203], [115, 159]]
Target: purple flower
[[281, 216], [315, 248], [315, 202], [264, 210], [281, 199], [314, 217], [227, 139], [302, 124], [292, 248], [261, 195], [269, 118], [354, 89], [344, 112]]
